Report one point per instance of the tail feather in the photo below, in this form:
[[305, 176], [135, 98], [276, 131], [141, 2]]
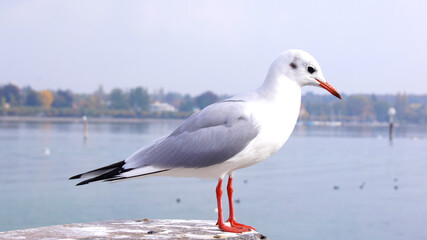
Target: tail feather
[[118, 178]]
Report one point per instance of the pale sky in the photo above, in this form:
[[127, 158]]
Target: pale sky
[[224, 46]]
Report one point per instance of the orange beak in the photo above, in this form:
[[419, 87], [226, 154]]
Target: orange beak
[[329, 88]]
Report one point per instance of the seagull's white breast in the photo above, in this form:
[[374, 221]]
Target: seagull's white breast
[[276, 120]]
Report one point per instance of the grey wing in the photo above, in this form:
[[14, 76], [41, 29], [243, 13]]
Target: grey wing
[[211, 136]]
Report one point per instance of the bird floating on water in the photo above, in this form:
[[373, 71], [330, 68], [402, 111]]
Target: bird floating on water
[[228, 135], [47, 151]]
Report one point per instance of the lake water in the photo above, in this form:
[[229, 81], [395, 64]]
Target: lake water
[[325, 183]]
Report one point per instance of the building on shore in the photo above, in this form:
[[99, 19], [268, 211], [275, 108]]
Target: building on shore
[[161, 107]]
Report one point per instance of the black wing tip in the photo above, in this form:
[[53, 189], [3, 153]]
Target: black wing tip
[[112, 175], [82, 183], [95, 179], [105, 176], [109, 167], [76, 177]]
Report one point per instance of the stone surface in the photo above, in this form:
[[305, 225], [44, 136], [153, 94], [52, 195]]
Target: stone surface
[[131, 229]]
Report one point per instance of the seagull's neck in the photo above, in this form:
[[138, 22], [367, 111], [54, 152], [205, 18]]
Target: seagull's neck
[[277, 88], [276, 109]]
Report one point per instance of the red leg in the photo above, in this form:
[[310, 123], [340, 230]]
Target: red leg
[[232, 218], [220, 221]]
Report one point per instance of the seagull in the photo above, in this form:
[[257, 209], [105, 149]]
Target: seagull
[[228, 135]]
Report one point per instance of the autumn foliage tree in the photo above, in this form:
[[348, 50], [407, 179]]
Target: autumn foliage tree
[[46, 98]]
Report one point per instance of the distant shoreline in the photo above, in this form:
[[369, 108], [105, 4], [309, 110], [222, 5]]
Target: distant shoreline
[[79, 119], [165, 120]]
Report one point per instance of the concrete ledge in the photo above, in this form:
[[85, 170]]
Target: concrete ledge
[[132, 229]]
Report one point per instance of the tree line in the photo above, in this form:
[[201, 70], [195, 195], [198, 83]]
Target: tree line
[[365, 108], [136, 102]]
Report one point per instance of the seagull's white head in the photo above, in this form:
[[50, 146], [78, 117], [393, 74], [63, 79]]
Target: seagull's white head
[[301, 67]]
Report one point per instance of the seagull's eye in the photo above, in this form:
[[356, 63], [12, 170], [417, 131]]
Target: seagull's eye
[[311, 69]]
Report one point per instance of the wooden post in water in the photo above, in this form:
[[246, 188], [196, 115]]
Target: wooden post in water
[[391, 114], [85, 127]]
